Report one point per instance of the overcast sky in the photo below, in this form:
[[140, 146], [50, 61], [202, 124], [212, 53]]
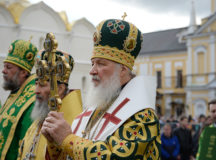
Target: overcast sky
[[148, 15]]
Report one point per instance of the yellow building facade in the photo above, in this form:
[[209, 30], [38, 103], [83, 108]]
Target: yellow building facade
[[183, 60]]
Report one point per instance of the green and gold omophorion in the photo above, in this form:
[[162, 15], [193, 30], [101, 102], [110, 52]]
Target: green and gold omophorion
[[15, 118], [15, 113]]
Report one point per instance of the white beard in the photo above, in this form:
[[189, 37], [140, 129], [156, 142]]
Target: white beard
[[104, 93], [40, 110]]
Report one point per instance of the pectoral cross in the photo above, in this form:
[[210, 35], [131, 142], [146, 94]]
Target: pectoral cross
[[125, 15]]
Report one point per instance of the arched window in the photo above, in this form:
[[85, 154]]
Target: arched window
[[200, 60], [201, 63], [159, 79], [199, 107]]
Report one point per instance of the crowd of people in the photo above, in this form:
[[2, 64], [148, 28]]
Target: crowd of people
[[180, 137]]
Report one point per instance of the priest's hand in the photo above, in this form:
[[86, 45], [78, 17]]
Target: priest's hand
[[55, 127]]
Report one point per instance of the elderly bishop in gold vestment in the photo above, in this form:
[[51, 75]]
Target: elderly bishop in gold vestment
[[120, 121], [34, 143]]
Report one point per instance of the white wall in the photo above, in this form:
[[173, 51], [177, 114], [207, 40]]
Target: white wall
[[3, 94], [39, 19]]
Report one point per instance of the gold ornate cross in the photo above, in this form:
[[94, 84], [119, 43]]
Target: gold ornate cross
[[125, 15], [50, 46], [46, 70], [53, 68]]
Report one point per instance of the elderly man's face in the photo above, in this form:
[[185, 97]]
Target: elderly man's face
[[102, 69], [213, 111], [41, 108], [11, 76], [42, 91]]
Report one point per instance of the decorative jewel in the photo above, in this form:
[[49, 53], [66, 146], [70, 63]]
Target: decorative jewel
[[63, 69], [29, 56], [50, 43], [96, 38], [129, 44], [41, 71], [115, 26]]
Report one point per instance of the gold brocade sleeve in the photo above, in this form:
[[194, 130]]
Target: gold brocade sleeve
[[137, 138]]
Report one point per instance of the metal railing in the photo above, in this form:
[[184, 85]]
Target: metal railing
[[186, 80]]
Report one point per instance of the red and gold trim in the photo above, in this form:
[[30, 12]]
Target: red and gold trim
[[110, 117]]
